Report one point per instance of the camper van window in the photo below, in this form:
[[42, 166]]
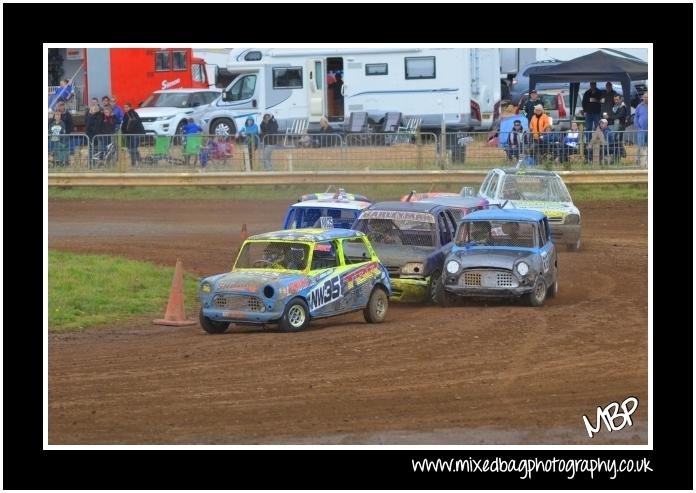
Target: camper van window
[[376, 69], [162, 61], [253, 56], [179, 60], [287, 78], [422, 67], [243, 88]]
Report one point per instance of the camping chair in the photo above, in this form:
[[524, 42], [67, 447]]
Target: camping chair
[[392, 121], [357, 125], [161, 151], [295, 132], [407, 133], [192, 148]]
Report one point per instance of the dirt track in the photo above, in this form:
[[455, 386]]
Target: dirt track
[[501, 373]]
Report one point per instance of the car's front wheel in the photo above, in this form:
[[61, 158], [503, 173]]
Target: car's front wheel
[[296, 316], [223, 127], [212, 326], [538, 295], [376, 310], [438, 294]]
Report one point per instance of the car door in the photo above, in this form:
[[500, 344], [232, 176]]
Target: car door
[[323, 299], [547, 251], [360, 273]]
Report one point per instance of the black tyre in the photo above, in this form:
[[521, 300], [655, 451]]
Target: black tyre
[[376, 310], [438, 293], [222, 126], [296, 316], [212, 326], [179, 133], [552, 291], [574, 247], [538, 295]]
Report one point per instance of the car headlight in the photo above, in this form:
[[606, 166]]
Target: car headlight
[[572, 219], [452, 266], [522, 268], [206, 288], [413, 268], [161, 118]]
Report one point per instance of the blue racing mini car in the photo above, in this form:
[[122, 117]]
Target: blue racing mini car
[[501, 252], [290, 277], [325, 210]]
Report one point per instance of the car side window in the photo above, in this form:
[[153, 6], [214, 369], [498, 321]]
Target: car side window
[[445, 229], [452, 215], [492, 186], [324, 255], [484, 185], [542, 233], [355, 251]]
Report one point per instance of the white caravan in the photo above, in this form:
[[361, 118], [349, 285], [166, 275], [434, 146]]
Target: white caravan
[[459, 85]]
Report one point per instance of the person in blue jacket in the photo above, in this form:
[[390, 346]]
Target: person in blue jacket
[[250, 132]]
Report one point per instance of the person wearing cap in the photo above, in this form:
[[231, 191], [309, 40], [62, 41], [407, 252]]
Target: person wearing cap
[[515, 140], [603, 138], [531, 102], [538, 125], [592, 107]]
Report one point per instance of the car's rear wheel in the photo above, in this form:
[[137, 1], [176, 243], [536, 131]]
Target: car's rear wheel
[[296, 316], [212, 326], [538, 295], [574, 247], [376, 310]]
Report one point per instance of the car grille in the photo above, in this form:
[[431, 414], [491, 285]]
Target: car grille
[[394, 271], [239, 302], [487, 279], [555, 219]]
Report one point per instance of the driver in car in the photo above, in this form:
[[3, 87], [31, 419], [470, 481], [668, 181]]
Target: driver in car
[[380, 231]]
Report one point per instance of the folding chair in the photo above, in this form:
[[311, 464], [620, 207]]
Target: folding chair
[[192, 148], [161, 151], [407, 133], [358, 126], [295, 132], [392, 122]]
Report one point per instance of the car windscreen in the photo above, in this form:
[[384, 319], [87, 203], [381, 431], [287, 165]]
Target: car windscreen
[[547, 188], [273, 255], [398, 227], [496, 233], [164, 99], [321, 217]]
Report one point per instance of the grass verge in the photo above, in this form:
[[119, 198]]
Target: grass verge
[[580, 192], [88, 290]]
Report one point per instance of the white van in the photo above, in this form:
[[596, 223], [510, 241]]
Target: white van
[[458, 85]]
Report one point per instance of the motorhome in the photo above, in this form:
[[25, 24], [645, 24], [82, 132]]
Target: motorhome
[[460, 86]]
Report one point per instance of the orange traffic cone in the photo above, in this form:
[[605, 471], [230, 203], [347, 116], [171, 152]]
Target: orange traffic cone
[[175, 308], [244, 235]]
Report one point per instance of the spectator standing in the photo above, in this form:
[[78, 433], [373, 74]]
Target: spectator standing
[[65, 116], [64, 92], [250, 133], [604, 138], [92, 117], [118, 112], [529, 105], [106, 128], [337, 94], [269, 131], [592, 108], [538, 125], [608, 101], [133, 128], [640, 120], [56, 145]]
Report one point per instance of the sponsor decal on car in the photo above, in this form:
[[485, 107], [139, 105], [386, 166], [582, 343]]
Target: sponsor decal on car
[[362, 275], [328, 292], [298, 285], [400, 215]]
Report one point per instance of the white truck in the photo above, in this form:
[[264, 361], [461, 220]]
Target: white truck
[[458, 85]]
